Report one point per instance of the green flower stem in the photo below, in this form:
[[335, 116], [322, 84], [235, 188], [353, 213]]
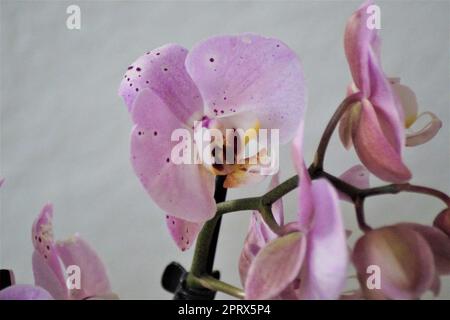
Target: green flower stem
[[212, 283], [202, 251]]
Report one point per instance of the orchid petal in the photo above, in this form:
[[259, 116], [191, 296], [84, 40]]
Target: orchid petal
[[267, 277], [426, 133], [45, 276], [407, 99], [47, 268], [442, 221], [324, 274], [404, 258], [438, 242], [94, 280], [253, 243], [372, 147], [305, 213], [184, 190], [163, 71], [357, 176], [388, 108], [250, 77], [359, 41], [345, 130], [183, 232], [24, 292]]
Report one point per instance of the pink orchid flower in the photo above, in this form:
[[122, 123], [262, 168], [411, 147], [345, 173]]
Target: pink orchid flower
[[410, 257], [259, 233], [297, 263], [375, 124], [51, 259], [225, 82]]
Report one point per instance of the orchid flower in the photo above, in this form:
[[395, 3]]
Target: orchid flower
[[375, 123], [296, 264], [259, 233], [410, 257], [225, 82], [48, 260]]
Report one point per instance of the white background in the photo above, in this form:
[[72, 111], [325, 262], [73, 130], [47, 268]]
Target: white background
[[65, 132]]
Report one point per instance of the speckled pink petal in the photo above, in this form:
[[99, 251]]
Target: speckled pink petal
[[47, 268], [374, 150], [404, 258], [183, 232], [439, 243], [24, 292], [184, 190], [324, 274], [426, 133], [267, 277], [357, 176], [94, 280], [45, 277], [163, 71], [250, 77]]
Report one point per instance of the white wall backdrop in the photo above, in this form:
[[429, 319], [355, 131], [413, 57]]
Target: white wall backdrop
[[65, 132]]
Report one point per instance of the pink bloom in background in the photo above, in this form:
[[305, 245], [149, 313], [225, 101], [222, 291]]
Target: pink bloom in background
[[225, 82], [50, 261], [410, 257], [376, 124]]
